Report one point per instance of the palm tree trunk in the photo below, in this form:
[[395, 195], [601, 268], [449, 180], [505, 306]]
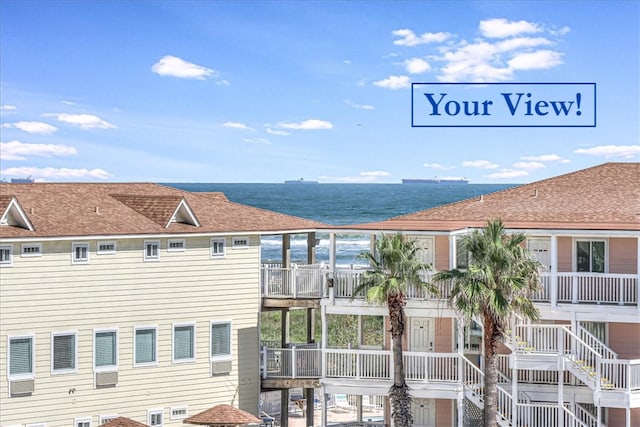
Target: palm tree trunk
[[399, 393], [491, 337]]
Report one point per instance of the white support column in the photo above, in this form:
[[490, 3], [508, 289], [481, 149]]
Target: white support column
[[332, 251], [452, 252], [560, 379], [323, 414], [514, 388], [638, 274], [460, 402], [553, 286]]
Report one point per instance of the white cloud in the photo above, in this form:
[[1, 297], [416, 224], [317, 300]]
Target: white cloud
[[7, 107], [223, 82], [417, 66], [359, 106], [561, 32], [545, 158], [508, 173], [173, 66], [375, 174], [501, 28], [16, 150], [235, 125], [366, 176], [65, 102], [32, 127], [480, 164], [437, 166], [521, 43], [312, 124], [277, 132], [346, 61], [529, 165], [56, 173], [84, 121], [393, 82], [540, 59], [257, 140], [409, 38], [624, 151]]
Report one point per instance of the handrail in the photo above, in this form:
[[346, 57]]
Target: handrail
[[607, 352]]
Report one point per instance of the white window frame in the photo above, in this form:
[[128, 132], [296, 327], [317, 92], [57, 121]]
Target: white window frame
[[225, 356], [24, 246], [147, 243], [107, 418], [152, 412], [155, 343], [83, 420], [240, 242], [107, 368], [75, 353], [106, 251], [32, 374], [9, 261], [74, 259], [213, 244], [574, 253], [179, 249], [184, 408], [173, 342]]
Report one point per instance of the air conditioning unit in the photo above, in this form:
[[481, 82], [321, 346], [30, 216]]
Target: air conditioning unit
[[22, 387], [106, 379], [221, 367]]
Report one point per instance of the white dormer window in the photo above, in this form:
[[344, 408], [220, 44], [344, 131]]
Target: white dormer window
[[6, 255], [105, 248], [152, 250], [80, 253], [176, 245], [31, 249], [240, 242]]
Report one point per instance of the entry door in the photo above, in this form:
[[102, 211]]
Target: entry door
[[421, 334], [541, 250], [425, 252], [424, 414]]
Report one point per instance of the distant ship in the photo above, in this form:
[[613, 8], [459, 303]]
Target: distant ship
[[436, 180], [300, 181], [27, 180]]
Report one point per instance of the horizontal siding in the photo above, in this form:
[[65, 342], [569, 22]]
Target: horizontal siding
[[48, 294], [623, 256]]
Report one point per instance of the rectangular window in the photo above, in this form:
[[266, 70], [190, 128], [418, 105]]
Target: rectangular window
[[80, 253], [590, 256], [184, 343], [217, 248], [146, 346], [83, 422], [6, 255], [179, 413], [240, 242], [31, 249], [155, 418], [220, 340], [106, 349], [63, 353], [462, 255], [21, 356], [106, 248], [107, 418], [175, 245], [151, 250]]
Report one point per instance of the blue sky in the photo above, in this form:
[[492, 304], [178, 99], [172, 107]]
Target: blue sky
[[267, 91]]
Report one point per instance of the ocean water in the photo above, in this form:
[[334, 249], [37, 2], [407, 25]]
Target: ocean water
[[339, 204]]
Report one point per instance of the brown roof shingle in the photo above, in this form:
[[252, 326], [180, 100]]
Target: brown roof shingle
[[123, 422], [81, 209], [604, 197], [223, 415]]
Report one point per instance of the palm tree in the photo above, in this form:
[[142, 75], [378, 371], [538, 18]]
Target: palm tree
[[500, 277], [394, 266]]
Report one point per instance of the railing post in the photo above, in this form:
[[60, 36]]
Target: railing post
[[574, 288], [265, 284], [264, 362], [554, 271], [598, 373], [293, 362], [294, 280]]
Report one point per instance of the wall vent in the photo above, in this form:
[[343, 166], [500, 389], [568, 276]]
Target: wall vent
[[219, 368], [22, 387], [106, 379]]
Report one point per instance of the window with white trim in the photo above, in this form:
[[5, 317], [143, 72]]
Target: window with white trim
[[176, 245], [21, 363], [105, 248], [106, 349], [107, 418], [217, 248], [82, 422], [179, 412], [591, 256], [220, 340], [184, 343], [80, 253], [63, 352], [6, 255], [145, 346], [151, 250], [240, 242], [31, 249], [154, 417], [462, 254]]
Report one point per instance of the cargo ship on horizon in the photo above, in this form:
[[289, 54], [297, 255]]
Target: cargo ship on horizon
[[299, 181], [435, 180]]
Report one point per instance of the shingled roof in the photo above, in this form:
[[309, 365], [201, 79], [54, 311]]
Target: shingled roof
[[123, 422], [88, 209], [604, 197], [223, 415]]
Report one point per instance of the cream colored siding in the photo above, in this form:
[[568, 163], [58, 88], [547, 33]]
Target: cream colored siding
[[122, 291]]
